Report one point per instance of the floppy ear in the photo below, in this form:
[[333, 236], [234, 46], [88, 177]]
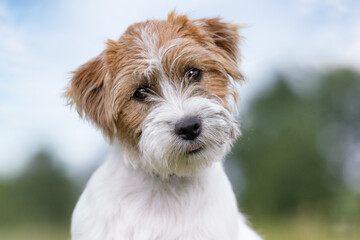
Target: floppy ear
[[89, 92], [225, 36]]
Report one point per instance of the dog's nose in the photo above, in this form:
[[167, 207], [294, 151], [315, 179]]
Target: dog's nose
[[188, 128]]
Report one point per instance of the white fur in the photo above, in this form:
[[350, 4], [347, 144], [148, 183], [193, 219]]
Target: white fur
[[125, 203]]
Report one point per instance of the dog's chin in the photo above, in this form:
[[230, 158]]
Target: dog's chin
[[187, 161]]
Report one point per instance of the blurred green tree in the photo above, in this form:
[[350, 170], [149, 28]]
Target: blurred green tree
[[338, 100], [288, 143], [42, 193]]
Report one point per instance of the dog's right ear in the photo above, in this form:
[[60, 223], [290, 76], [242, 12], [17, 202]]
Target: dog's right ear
[[89, 91]]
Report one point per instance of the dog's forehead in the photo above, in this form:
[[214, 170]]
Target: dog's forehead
[[153, 36], [151, 47]]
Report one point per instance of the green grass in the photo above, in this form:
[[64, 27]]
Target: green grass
[[35, 232], [307, 228], [303, 227]]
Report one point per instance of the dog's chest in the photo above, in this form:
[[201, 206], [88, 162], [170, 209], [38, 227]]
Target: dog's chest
[[151, 210], [171, 217]]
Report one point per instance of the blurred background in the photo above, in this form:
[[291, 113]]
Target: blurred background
[[296, 168]]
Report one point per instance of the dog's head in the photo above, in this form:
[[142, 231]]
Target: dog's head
[[165, 90]]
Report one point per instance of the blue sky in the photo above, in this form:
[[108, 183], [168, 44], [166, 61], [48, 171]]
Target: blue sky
[[41, 42]]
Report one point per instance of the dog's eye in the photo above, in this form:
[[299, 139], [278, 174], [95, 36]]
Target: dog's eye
[[194, 75], [140, 94]]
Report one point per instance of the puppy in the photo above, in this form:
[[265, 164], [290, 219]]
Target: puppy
[[162, 94]]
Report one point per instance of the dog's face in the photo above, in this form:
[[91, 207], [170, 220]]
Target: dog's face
[[164, 90]]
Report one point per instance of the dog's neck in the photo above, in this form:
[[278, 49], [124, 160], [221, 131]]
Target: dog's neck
[[138, 177]]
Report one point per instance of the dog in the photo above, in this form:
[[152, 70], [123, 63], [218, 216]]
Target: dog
[[163, 95]]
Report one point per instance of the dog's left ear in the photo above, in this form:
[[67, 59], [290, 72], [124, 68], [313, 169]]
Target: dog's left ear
[[225, 36], [89, 91]]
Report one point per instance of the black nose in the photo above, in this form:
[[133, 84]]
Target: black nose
[[188, 128]]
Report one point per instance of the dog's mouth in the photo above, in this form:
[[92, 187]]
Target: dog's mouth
[[194, 149]]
